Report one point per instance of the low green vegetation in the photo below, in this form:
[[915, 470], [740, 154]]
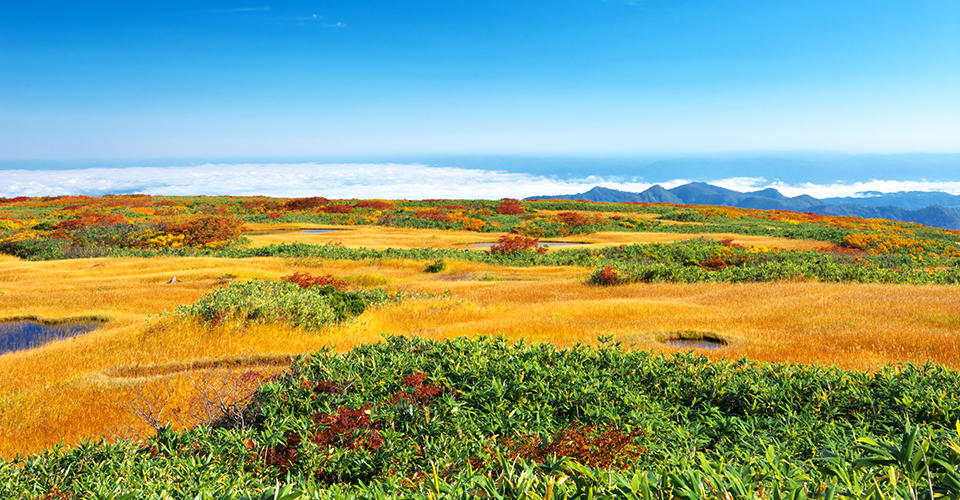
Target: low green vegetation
[[688, 261], [707, 260], [485, 418], [268, 301]]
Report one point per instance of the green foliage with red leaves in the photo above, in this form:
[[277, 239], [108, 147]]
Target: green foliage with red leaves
[[485, 417]]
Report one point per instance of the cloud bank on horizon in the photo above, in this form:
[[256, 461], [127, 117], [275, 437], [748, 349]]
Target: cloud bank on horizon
[[380, 180]]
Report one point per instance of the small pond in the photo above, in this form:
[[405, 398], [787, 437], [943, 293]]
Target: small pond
[[690, 339], [695, 344], [542, 244], [20, 335], [319, 231]]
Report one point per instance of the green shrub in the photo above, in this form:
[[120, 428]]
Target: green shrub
[[265, 301], [438, 266]]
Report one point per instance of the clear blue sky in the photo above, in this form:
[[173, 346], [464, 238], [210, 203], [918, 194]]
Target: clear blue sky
[[142, 79]]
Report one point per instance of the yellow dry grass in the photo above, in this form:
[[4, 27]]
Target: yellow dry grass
[[72, 389], [391, 237]]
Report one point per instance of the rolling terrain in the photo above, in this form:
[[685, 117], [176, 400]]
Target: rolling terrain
[[773, 296]]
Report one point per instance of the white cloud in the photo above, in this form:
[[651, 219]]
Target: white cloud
[[857, 189], [375, 180], [742, 184], [382, 180]]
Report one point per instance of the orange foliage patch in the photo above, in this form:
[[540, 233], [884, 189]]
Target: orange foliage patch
[[512, 244], [206, 231]]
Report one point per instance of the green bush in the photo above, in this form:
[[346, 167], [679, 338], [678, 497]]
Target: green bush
[[438, 266], [265, 301], [36, 249]]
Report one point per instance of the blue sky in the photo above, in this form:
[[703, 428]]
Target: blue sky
[[174, 79]]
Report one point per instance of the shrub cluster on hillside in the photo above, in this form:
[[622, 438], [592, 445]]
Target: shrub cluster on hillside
[[863, 250]]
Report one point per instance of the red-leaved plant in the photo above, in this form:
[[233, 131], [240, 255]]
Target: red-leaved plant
[[306, 280], [511, 244], [510, 206]]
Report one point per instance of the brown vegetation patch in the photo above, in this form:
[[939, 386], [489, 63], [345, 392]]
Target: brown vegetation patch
[[602, 446], [142, 371], [457, 276], [692, 338], [43, 320]]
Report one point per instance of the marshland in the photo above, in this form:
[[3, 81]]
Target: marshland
[[388, 353]]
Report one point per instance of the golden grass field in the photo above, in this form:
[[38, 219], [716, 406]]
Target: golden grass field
[[77, 388]]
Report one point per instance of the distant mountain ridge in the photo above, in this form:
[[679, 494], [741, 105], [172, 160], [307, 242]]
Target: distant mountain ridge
[[941, 211]]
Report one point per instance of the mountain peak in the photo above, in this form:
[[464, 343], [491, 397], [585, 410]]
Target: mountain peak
[[700, 193]]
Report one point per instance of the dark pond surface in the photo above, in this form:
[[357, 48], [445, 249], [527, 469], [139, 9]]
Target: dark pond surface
[[319, 231], [696, 344], [544, 244], [20, 335]]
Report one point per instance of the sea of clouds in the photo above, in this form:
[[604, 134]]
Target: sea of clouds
[[376, 180]]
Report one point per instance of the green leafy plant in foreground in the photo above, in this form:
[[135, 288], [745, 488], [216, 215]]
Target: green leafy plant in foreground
[[465, 418]]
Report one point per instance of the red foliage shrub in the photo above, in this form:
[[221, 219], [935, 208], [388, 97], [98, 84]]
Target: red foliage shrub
[[603, 447], [512, 244], [305, 280], [374, 205], [263, 206], [714, 264], [89, 219], [347, 428], [719, 262], [606, 276], [422, 394], [69, 225], [305, 203], [731, 244], [284, 456], [427, 214], [510, 206], [336, 209], [574, 219], [841, 250], [14, 200], [453, 207], [206, 230]]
